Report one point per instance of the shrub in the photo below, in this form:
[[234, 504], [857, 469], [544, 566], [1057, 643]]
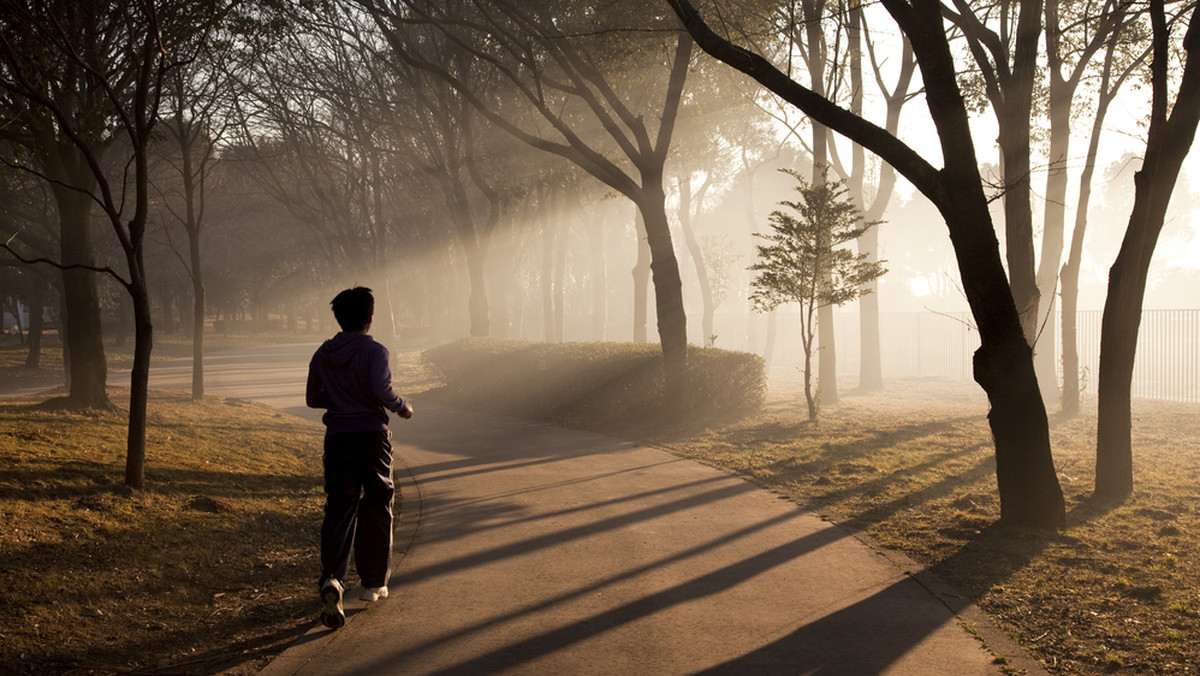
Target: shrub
[[594, 385]]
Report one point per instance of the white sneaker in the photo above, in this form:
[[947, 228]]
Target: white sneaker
[[370, 594], [332, 615]]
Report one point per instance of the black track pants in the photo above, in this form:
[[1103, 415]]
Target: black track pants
[[358, 506]]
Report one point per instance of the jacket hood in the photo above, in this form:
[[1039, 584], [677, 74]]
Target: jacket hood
[[343, 347]]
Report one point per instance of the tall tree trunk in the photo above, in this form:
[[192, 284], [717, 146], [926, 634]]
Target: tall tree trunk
[[502, 283], [870, 372], [1053, 236], [668, 289], [1030, 494], [827, 388], [560, 276], [1070, 340], [1168, 141], [477, 303], [166, 298], [139, 379], [549, 231], [814, 11], [1069, 278], [749, 173], [198, 301], [83, 343], [1062, 92], [641, 281], [37, 309], [385, 314], [1014, 108], [15, 306], [870, 368], [474, 247], [599, 282], [771, 339], [686, 210], [1018, 223]]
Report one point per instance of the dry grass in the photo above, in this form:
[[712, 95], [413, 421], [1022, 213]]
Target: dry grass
[[209, 570]]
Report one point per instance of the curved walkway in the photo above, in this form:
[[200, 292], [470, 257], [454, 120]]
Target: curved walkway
[[525, 548]]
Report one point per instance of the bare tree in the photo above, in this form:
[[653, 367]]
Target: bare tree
[[1172, 130], [1003, 39], [315, 112], [1028, 485], [58, 105], [127, 63], [569, 81], [857, 32], [27, 223], [1070, 48], [1113, 74], [196, 119]]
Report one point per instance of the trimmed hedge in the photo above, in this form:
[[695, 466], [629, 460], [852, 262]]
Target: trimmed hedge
[[594, 384]]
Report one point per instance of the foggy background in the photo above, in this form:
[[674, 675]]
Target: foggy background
[[330, 161]]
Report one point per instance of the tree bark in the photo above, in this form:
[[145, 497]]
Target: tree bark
[[1062, 89], [198, 301], [870, 372], [1070, 338], [474, 246], [599, 282], [477, 302], [1069, 277], [1018, 219], [668, 289], [37, 308], [139, 382], [1053, 240], [83, 342], [641, 280], [686, 209]]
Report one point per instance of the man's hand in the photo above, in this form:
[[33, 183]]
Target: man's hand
[[406, 411]]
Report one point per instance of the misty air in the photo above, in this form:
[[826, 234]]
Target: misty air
[[658, 337]]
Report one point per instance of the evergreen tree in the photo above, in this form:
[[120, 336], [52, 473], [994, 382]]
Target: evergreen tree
[[804, 261]]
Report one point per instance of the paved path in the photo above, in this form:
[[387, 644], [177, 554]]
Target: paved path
[[530, 549]]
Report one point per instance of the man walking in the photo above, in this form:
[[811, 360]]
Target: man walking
[[349, 376]]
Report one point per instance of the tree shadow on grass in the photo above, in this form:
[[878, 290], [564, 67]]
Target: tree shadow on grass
[[75, 479]]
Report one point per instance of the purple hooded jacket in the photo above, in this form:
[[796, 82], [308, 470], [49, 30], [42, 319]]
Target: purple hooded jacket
[[350, 378]]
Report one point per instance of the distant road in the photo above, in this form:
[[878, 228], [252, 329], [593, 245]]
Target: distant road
[[273, 375]]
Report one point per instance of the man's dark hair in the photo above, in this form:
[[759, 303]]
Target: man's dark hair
[[354, 308]]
